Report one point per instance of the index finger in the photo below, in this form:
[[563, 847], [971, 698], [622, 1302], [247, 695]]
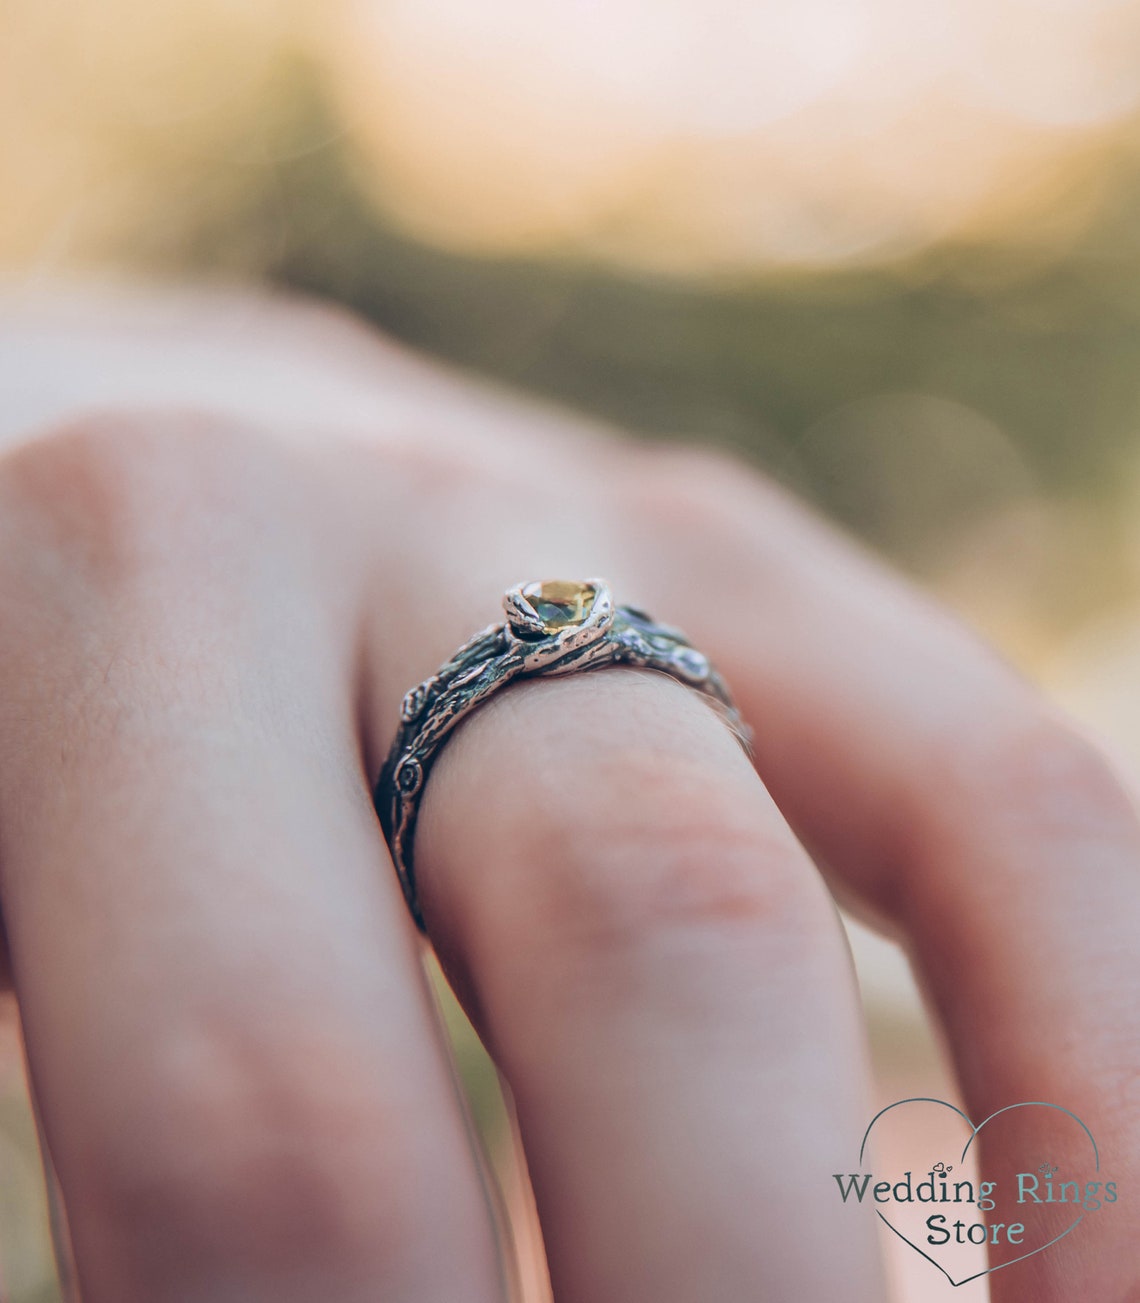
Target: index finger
[[948, 800]]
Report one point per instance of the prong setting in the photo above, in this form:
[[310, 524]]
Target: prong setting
[[553, 627]]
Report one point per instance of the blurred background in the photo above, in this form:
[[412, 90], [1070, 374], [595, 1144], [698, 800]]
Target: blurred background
[[887, 249]]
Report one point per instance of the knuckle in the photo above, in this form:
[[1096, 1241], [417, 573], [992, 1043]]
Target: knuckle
[[1043, 775], [135, 548], [665, 849], [690, 484], [425, 463], [709, 514], [230, 1144], [107, 490]]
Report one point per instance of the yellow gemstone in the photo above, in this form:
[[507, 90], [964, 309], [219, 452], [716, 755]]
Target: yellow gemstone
[[560, 603]]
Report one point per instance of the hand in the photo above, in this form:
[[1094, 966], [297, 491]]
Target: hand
[[232, 534]]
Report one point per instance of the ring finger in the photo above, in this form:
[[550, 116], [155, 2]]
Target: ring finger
[[660, 974]]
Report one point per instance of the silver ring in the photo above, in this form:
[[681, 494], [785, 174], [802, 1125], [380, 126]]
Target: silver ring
[[552, 627]]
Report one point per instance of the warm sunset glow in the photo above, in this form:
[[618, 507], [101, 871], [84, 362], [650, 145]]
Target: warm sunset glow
[[672, 134], [720, 133], [883, 251]]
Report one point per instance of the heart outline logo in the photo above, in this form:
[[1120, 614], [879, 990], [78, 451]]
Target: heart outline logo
[[974, 1130]]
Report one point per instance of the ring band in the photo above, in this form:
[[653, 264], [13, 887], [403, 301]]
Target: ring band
[[552, 627]]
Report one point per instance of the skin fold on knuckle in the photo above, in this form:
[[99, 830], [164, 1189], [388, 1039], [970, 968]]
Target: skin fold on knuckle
[[109, 493], [617, 842], [705, 496], [1025, 800], [231, 1151], [1034, 823], [665, 849], [158, 556], [1046, 777]]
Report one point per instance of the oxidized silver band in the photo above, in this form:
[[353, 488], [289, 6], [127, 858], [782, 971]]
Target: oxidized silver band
[[556, 627]]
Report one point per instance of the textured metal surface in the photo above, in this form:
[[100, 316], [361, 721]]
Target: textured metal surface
[[523, 647]]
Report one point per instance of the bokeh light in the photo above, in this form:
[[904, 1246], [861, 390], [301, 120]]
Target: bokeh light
[[719, 134], [889, 250]]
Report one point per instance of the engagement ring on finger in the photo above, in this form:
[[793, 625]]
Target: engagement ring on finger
[[552, 627]]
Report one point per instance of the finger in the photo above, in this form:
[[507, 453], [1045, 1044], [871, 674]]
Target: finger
[[228, 1032], [952, 803], [661, 976]]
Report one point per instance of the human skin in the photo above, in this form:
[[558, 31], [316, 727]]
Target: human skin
[[233, 532]]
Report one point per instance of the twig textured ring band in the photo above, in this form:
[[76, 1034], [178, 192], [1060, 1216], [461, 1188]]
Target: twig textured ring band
[[554, 627]]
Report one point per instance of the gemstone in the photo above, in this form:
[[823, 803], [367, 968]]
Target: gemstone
[[560, 603]]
